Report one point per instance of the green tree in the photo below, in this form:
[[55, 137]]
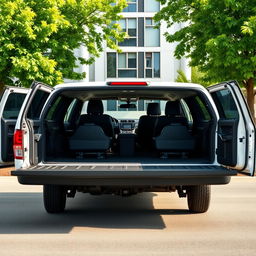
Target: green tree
[[38, 37], [197, 77], [218, 36]]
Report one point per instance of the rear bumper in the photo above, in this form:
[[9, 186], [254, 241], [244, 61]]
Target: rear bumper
[[132, 177]]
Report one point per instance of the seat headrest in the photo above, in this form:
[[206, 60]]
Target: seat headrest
[[153, 109], [172, 108], [95, 107]]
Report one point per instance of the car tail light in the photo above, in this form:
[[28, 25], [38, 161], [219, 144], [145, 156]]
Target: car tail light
[[18, 144]]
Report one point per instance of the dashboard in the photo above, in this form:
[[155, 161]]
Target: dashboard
[[128, 125]]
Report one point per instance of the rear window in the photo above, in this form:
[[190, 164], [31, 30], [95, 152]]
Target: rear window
[[13, 105]]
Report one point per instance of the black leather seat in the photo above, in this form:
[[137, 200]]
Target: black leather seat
[[95, 116], [172, 116], [89, 138], [172, 134], [175, 138], [146, 126], [95, 130]]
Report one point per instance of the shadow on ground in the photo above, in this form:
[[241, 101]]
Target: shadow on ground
[[24, 213]]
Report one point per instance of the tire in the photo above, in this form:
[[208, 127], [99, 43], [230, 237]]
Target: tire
[[54, 198], [199, 198]]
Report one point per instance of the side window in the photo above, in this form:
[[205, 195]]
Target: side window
[[53, 108], [225, 104], [37, 104], [205, 113], [186, 111], [70, 110], [13, 105]]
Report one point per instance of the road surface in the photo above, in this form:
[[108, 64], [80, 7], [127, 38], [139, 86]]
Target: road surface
[[145, 224]]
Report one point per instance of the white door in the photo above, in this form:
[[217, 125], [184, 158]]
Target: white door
[[28, 124], [10, 104], [236, 129]]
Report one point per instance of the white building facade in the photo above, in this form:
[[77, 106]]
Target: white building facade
[[145, 54]]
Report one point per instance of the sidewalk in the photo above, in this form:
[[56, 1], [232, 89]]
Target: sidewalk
[[6, 171]]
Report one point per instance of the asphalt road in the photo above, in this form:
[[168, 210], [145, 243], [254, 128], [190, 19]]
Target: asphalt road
[[145, 224]]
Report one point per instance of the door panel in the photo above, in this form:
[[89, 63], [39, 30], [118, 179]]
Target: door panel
[[236, 130], [227, 142]]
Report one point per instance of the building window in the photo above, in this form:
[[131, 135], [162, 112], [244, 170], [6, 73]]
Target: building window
[[121, 65], [152, 65], [111, 64], [151, 6], [152, 34], [131, 6], [127, 65], [130, 27]]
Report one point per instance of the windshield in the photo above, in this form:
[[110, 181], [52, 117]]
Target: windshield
[[138, 109]]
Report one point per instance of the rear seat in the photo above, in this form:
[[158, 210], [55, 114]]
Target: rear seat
[[175, 138], [172, 133], [95, 131], [172, 115], [89, 137]]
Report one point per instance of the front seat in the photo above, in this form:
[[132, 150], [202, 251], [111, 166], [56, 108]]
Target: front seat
[[146, 126]]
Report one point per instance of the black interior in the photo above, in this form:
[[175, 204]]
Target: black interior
[[63, 124], [8, 121], [147, 126], [8, 127]]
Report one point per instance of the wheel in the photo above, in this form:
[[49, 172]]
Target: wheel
[[199, 198], [54, 198]]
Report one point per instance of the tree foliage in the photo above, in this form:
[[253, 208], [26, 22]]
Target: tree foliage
[[38, 37], [197, 77], [217, 35]]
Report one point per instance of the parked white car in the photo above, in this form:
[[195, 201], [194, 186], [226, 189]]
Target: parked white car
[[188, 139], [11, 101]]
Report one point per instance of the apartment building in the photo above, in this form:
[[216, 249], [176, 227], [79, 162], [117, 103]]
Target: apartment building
[[145, 53]]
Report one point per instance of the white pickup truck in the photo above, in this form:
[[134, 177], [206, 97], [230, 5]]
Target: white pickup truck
[[129, 137]]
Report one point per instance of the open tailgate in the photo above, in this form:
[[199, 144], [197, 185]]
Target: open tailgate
[[124, 175]]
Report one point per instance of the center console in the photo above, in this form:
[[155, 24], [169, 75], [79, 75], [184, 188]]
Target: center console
[[126, 144], [127, 137], [127, 126]]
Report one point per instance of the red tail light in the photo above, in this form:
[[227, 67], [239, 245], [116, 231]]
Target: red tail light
[[127, 83], [18, 144]]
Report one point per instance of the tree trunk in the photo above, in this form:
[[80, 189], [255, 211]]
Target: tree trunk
[[1, 87], [250, 95]]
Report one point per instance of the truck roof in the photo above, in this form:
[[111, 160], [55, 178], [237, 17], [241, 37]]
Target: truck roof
[[138, 83]]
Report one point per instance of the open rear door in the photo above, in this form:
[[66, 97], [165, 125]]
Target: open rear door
[[10, 104], [236, 129], [29, 121]]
